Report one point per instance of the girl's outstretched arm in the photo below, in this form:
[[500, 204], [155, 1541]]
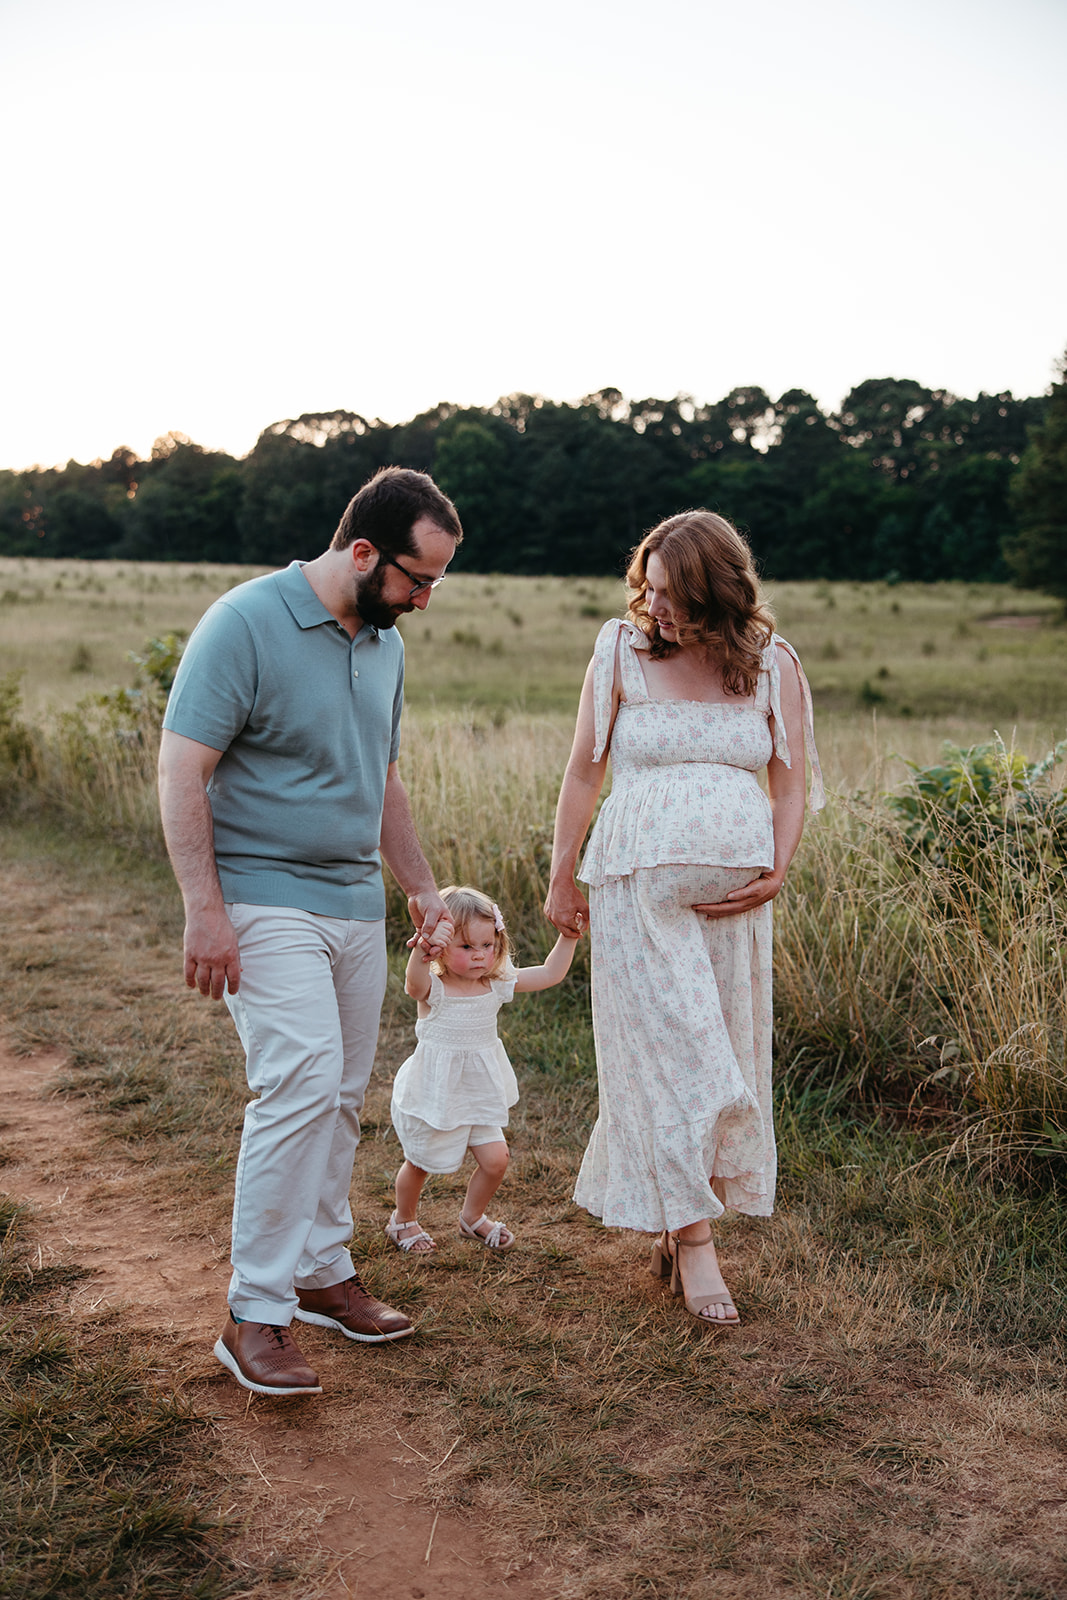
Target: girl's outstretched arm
[[417, 975], [554, 970]]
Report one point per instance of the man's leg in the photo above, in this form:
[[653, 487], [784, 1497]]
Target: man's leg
[[328, 1290], [287, 1015], [359, 973]]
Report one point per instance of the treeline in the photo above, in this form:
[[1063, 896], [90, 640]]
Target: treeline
[[903, 482]]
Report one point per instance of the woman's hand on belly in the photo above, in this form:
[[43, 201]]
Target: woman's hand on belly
[[747, 898]]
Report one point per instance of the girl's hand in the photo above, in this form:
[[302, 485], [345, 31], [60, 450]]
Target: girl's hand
[[578, 929], [435, 931], [747, 898]]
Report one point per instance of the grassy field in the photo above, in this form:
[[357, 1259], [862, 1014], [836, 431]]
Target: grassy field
[[892, 1406], [893, 669]]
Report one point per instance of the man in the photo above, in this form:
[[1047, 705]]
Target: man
[[278, 788]]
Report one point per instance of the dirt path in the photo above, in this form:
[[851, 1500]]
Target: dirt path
[[360, 1520]]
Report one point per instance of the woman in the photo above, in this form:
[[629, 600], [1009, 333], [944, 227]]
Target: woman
[[692, 695]]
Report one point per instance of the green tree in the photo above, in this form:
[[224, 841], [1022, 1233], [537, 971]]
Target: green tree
[[1037, 552], [885, 418], [185, 506], [474, 464], [299, 478], [964, 527]]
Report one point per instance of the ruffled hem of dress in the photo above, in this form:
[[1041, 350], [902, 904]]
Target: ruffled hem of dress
[[736, 1198], [725, 1186], [479, 1118], [597, 872], [599, 865], [626, 837]]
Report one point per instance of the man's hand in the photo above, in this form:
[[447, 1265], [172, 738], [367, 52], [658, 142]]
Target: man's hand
[[212, 960], [434, 928]]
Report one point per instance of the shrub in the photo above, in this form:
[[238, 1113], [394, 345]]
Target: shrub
[[989, 817], [19, 744], [919, 962]]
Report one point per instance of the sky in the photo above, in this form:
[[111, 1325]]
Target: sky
[[230, 212]]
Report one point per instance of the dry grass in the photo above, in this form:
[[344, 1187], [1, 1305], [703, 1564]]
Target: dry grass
[[882, 1424], [924, 662], [889, 1415], [102, 1491]]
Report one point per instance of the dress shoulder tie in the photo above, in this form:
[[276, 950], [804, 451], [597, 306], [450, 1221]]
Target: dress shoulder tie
[[816, 792], [604, 656]]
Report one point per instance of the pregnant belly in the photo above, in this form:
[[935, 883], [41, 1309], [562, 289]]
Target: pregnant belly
[[674, 885]]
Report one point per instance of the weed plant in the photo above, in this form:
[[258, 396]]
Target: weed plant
[[931, 985]]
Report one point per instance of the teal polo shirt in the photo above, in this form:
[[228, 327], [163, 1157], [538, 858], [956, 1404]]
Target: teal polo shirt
[[308, 720]]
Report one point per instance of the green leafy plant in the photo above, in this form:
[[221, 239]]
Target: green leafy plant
[[158, 662], [985, 811], [19, 752]]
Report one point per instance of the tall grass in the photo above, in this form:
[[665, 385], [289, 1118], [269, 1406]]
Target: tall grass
[[915, 986], [925, 998], [485, 797], [94, 766]]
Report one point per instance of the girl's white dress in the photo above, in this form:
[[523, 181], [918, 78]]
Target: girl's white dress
[[681, 1004], [459, 1072]]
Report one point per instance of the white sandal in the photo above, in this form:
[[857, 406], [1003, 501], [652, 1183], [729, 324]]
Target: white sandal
[[407, 1245], [499, 1237]]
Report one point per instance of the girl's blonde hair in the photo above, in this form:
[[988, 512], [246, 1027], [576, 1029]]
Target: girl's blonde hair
[[467, 905], [712, 580]]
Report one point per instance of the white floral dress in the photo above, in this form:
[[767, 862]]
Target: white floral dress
[[681, 1003]]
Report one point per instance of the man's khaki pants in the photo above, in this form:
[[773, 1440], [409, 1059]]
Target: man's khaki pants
[[307, 1012]]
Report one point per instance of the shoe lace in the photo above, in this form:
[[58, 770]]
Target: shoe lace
[[280, 1336]]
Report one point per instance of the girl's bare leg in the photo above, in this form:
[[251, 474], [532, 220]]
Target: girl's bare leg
[[410, 1181], [492, 1163]]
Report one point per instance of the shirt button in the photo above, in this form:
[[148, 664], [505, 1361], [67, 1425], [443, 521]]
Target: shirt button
[[356, 673]]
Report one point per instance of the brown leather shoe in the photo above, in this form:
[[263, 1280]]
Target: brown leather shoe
[[348, 1307], [265, 1358]]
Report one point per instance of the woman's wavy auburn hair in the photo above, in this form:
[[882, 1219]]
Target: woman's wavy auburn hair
[[467, 905], [711, 579]]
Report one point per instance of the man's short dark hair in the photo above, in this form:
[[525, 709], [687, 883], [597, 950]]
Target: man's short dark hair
[[387, 508]]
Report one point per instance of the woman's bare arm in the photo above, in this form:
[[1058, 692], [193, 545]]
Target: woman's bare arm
[[582, 783]]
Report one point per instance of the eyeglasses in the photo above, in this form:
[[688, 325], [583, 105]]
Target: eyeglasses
[[418, 585]]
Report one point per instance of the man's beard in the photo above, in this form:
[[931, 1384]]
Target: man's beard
[[369, 603]]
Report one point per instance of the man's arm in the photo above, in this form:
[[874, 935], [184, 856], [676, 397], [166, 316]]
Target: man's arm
[[212, 962], [402, 853]]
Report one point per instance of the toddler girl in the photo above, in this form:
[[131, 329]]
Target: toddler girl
[[453, 1094]]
